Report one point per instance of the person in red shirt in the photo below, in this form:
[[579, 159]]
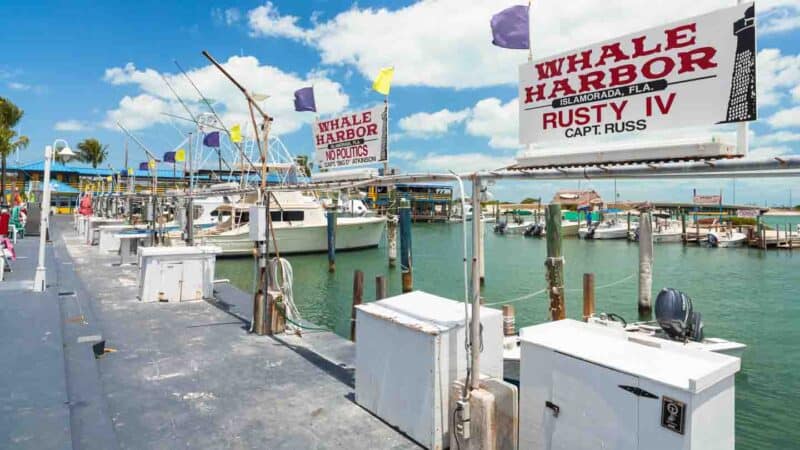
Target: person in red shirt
[[85, 207]]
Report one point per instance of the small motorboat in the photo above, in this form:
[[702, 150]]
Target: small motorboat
[[609, 229], [725, 239]]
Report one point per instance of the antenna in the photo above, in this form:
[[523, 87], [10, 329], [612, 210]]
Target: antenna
[[266, 119], [214, 112], [137, 141]]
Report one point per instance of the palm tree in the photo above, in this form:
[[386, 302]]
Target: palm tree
[[10, 142], [304, 165], [92, 151]]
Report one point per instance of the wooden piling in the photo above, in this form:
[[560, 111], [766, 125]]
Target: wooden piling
[[588, 296], [683, 228], [405, 246], [331, 231], [645, 265], [509, 325], [555, 263], [629, 223], [697, 231], [358, 297], [391, 240], [381, 287]]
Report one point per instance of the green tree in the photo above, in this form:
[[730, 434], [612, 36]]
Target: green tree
[[529, 200], [304, 165], [92, 152], [10, 115]]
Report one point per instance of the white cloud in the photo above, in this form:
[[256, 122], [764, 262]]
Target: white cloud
[[447, 43], [768, 152], [228, 16], [779, 137], [71, 125], [18, 86], [782, 19], [785, 118], [462, 162], [147, 107], [266, 21], [432, 124], [497, 121], [777, 73]]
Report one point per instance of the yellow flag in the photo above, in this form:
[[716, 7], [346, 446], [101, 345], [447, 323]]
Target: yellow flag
[[236, 133], [180, 155], [383, 82], [130, 171], [151, 164]]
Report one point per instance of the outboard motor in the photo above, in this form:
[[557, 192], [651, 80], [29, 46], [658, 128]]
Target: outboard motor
[[500, 228], [712, 240], [533, 230], [675, 316], [592, 228]]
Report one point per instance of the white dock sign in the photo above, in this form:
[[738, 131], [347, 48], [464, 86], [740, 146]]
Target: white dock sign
[[350, 140], [696, 72]]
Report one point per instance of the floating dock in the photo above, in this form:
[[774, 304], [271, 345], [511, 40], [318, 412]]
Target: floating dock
[[166, 375]]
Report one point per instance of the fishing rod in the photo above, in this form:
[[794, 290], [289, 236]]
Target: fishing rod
[[243, 156], [266, 119]]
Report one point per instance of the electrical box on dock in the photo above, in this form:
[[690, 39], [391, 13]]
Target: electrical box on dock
[[588, 387], [258, 223], [176, 274], [409, 351]]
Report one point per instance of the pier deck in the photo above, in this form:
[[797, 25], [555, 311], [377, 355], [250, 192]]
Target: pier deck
[[179, 374]]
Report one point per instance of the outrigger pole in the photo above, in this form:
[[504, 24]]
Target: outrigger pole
[[263, 303], [243, 156]]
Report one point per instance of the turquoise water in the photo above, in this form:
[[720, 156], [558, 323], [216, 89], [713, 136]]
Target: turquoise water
[[746, 295]]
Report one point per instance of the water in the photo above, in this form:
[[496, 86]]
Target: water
[[746, 295]]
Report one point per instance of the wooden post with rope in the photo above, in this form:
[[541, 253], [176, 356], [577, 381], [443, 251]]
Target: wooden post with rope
[[555, 263], [588, 296], [263, 303], [358, 297]]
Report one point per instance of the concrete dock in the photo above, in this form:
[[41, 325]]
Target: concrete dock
[[173, 375]]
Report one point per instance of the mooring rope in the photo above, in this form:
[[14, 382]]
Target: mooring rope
[[542, 291]]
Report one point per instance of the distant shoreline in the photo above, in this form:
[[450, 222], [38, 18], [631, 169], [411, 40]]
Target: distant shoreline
[[782, 213]]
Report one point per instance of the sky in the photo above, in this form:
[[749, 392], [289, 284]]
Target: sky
[[79, 67]]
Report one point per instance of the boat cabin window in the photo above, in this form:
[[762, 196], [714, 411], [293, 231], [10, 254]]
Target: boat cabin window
[[287, 216]]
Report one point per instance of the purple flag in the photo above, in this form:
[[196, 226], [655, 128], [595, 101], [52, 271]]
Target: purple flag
[[211, 139], [169, 157], [510, 28], [304, 100], [143, 166]]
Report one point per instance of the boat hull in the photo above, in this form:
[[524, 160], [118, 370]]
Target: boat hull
[[351, 234]]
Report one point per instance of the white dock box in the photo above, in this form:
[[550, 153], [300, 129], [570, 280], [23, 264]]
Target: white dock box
[[409, 350], [176, 273], [587, 387]]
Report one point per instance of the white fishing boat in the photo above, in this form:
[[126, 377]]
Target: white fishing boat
[[299, 225], [664, 230], [569, 228], [608, 229], [725, 239]]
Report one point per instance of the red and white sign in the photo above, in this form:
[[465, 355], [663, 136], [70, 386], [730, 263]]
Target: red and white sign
[[707, 200], [353, 139], [694, 72]]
